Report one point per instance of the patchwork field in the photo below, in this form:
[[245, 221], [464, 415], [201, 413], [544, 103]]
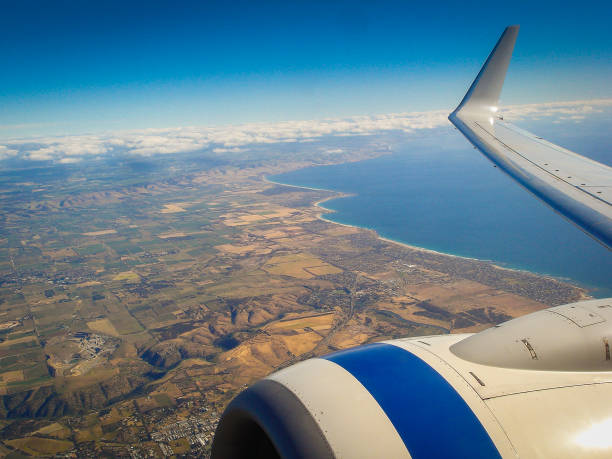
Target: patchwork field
[[135, 304], [299, 265]]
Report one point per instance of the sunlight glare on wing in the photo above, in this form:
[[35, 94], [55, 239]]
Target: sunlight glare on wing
[[597, 436]]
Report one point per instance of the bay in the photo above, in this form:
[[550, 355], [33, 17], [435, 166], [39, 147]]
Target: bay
[[452, 200]]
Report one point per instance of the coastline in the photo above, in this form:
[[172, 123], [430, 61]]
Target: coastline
[[340, 194]]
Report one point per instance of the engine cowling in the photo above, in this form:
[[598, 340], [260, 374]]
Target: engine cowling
[[438, 396]]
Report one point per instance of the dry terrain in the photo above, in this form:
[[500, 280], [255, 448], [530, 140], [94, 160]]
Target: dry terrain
[[133, 310]]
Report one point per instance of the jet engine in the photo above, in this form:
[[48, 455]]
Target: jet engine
[[536, 386]]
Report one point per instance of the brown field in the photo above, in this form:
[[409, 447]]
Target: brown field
[[83, 368], [172, 208], [254, 249], [234, 222], [56, 430], [347, 339], [252, 217], [172, 235], [236, 249], [240, 219], [96, 375], [464, 295], [299, 265], [91, 434], [148, 403], [341, 230], [103, 326], [129, 276], [300, 343], [37, 446], [177, 234], [88, 284], [407, 312], [11, 376], [100, 233], [316, 322], [116, 414], [284, 338], [323, 270], [273, 234], [256, 357], [251, 286], [278, 211], [9, 343], [59, 254], [9, 325], [261, 354], [124, 323], [303, 219]]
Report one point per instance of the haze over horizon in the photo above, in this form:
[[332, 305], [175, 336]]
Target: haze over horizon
[[76, 68]]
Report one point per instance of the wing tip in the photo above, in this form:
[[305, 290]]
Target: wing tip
[[486, 87]]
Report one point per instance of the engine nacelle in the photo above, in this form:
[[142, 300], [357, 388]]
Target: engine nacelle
[[439, 396]]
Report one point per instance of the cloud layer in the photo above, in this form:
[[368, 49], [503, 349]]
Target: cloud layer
[[234, 139], [557, 111]]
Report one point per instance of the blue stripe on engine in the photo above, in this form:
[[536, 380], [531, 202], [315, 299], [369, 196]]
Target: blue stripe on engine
[[429, 415]]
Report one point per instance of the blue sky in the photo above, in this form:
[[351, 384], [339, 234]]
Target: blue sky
[[82, 66]]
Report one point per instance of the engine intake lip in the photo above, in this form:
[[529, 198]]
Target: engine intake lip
[[268, 420]]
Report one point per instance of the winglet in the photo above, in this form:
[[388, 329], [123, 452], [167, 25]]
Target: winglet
[[483, 95]]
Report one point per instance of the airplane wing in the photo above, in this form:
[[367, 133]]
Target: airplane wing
[[536, 386], [578, 188]]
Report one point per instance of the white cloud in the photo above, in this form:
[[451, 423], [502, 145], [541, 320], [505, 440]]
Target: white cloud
[[69, 160], [561, 111], [234, 139], [6, 152], [228, 150], [42, 154]]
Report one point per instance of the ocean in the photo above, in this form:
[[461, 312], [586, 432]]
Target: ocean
[[453, 200]]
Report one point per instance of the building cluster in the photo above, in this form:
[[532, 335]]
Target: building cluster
[[92, 345], [198, 431]]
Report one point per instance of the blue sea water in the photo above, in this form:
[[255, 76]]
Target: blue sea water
[[453, 200]]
